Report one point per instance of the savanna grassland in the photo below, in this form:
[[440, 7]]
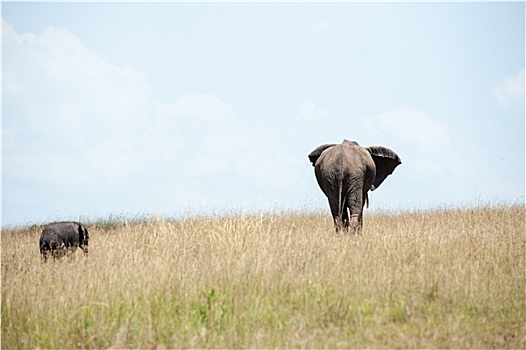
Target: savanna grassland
[[434, 279]]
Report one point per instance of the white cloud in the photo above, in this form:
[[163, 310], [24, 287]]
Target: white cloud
[[67, 108], [9, 35], [75, 123], [70, 102], [510, 92], [412, 132], [411, 126]]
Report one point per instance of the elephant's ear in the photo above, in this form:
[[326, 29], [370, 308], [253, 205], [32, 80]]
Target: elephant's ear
[[314, 155], [386, 161]]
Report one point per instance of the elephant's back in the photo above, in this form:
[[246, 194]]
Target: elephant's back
[[333, 168], [347, 161], [49, 234], [330, 160], [61, 230]]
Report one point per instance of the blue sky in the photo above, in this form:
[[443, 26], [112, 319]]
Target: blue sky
[[172, 108]]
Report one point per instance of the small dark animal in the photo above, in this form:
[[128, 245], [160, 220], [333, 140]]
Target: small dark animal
[[63, 238]]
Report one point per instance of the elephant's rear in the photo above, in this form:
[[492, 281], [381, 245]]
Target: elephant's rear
[[332, 175], [342, 167], [68, 232], [329, 172], [50, 243]]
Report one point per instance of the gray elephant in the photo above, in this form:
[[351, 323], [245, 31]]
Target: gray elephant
[[346, 172], [63, 238]]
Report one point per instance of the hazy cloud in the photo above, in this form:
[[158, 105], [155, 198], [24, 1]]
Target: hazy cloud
[[205, 107], [79, 111], [510, 92], [411, 126], [97, 128], [413, 132], [310, 112]]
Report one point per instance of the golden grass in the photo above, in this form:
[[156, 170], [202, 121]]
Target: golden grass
[[448, 279]]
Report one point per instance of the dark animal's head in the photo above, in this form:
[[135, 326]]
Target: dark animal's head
[[83, 239], [45, 250]]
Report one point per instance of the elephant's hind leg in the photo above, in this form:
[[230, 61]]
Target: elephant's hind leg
[[356, 223], [336, 215], [355, 204]]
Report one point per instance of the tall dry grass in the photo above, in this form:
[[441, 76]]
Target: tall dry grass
[[448, 279]]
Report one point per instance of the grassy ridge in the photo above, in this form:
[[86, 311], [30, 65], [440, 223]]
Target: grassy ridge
[[449, 279]]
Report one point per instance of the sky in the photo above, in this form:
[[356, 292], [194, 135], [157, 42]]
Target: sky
[[137, 109]]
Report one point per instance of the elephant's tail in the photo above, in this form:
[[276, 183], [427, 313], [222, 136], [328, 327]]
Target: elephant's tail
[[342, 199]]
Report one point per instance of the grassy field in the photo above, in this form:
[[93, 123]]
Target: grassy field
[[445, 278]]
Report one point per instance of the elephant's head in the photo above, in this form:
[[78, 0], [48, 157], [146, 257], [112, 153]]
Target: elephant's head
[[83, 239]]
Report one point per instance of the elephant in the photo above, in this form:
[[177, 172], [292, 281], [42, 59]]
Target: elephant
[[346, 172], [61, 238]]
